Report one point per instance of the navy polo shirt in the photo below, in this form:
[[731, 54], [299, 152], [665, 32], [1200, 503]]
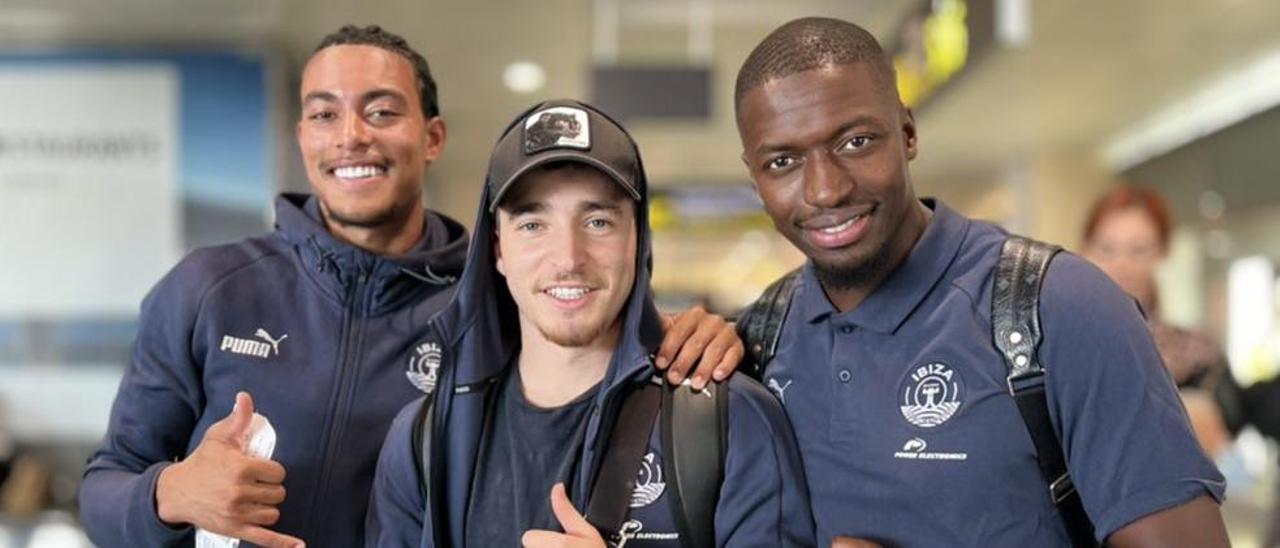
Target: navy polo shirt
[[909, 436]]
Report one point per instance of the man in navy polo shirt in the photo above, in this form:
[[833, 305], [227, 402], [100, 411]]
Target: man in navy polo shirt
[[886, 365]]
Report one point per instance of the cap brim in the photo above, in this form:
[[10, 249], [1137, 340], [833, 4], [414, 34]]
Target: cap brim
[[559, 155]]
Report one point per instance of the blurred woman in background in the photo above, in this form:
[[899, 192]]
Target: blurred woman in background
[[1127, 236]]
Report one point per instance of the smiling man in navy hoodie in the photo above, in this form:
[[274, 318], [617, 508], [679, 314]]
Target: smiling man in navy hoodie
[[548, 341], [322, 322]]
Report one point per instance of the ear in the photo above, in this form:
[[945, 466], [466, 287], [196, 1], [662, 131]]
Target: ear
[[909, 133], [435, 136], [497, 249]]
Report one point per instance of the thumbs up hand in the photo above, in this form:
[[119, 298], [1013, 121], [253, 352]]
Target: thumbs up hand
[[578, 533], [221, 489]]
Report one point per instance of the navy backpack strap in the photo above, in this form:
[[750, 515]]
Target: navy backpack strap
[[616, 479], [1015, 322], [760, 326], [695, 429]]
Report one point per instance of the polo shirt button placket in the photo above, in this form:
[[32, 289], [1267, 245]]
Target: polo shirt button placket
[[844, 374]]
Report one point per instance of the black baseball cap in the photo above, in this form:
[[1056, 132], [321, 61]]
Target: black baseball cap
[[564, 130]]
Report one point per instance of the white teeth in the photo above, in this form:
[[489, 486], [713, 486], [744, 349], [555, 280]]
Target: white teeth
[[841, 227], [358, 172], [567, 293]]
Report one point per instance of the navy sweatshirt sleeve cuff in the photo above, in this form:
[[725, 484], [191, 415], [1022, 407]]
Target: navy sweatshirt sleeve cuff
[[144, 516]]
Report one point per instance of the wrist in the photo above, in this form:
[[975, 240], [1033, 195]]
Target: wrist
[[168, 509]]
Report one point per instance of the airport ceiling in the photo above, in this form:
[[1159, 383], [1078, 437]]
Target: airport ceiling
[[1090, 69]]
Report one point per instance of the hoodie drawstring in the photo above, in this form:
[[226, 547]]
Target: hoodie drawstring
[[428, 276], [324, 259]]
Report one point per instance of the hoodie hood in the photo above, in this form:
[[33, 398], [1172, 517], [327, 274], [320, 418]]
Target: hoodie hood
[[436, 260], [483, 310]]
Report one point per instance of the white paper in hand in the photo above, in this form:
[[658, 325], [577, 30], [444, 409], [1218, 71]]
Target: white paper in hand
[[261, 443]]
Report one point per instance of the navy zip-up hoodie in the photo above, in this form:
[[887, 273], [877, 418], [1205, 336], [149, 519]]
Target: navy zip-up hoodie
[[763, 499], [321, 333]]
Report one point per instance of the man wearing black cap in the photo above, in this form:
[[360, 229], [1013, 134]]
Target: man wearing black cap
[[319, 321], [549, 346]]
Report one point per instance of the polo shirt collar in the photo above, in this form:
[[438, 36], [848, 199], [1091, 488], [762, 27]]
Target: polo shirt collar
[[889, 305]]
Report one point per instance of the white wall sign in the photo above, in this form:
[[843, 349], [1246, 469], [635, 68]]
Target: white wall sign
[[89, 205]]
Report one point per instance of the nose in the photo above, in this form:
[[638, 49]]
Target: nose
[[355, 132], [826, 184], [568, 252]]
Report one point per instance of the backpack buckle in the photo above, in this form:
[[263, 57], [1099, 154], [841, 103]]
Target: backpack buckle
[[1061, 488], [1025, 380]]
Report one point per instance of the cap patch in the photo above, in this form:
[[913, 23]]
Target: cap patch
[[557, 127]]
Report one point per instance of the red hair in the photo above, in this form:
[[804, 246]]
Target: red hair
[[1131, 196]]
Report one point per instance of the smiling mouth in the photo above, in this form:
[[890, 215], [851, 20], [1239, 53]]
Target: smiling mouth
[[845, 233], [567, 293], [358, 172], [842, 226]]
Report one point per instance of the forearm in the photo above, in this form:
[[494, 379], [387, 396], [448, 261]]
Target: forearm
[[117, 507]]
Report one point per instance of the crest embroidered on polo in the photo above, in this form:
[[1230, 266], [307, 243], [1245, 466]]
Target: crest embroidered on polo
[[424, 367], [557, 127], [931, 394], [649, 483]]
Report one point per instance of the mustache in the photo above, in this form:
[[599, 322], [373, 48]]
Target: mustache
[[571, 277], [818, 218], [333, 163]]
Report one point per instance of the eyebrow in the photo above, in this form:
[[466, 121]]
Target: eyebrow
[[368, 97], [319, 96], [539, 207], [381, 93], [861, 120], [525, 208], [590, 207]]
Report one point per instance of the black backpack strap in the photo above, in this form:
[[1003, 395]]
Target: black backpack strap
[[619, 469], [695, 430], [694, 434], [760, 326], [1015, 323]]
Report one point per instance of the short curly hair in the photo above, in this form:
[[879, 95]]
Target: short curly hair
[[806, 44], [374, 35]]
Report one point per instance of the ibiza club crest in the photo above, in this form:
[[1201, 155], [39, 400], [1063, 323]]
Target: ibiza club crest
[[424, 367], [649, 484], [931, 394]]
